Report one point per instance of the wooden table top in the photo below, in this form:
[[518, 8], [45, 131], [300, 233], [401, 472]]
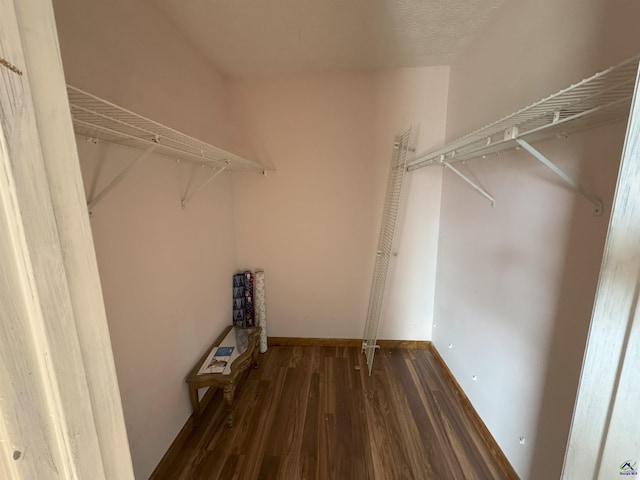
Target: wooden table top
[[243, 341]]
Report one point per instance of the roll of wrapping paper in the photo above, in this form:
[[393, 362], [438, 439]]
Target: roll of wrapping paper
[[248, 300], [238, 300], [260, 307]]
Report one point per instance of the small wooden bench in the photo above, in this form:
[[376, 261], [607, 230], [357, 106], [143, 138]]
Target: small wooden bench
[[246, 347]]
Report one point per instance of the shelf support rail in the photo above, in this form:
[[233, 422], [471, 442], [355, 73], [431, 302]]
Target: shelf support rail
[[598, 207], [189, 195], [467, 180], [96, 199], [366, 347]]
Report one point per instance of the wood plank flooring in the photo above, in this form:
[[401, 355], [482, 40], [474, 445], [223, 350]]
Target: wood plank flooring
[[307, 413]]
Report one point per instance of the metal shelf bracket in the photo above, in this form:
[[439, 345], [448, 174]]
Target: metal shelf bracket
[[596, 202], [467, 180], [189, 195], [96, 199], [366, 346]]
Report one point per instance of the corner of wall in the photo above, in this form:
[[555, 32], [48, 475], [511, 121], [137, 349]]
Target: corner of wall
[[515, 283]]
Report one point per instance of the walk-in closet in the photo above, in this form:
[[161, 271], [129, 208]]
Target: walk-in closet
[[434, 205]]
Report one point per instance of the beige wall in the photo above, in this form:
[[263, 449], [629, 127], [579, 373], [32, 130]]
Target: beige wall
[[516, 282], [416, 97], [165, 271], [309, 223], [127, 52], [165, 276], [313, 224]]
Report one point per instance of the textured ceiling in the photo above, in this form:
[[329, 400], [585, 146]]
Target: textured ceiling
[[263, 37]]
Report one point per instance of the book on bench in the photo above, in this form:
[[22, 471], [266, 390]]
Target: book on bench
[[217, 361]]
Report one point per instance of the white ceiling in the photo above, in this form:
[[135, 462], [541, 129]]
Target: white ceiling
[[264, 37]]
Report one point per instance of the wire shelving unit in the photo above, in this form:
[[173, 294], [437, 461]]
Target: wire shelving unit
[[99, 120], [380, 282], [598, 100]]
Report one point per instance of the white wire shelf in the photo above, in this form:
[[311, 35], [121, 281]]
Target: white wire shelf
[[598, 100], [384, 254], [95, 118]]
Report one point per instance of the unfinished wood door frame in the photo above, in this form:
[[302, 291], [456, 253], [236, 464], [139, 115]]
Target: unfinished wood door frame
[[605, 433], [59, 398]]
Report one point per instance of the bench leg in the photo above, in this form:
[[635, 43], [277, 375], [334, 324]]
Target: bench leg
[[195, 404], [229, 393], [255, 356]]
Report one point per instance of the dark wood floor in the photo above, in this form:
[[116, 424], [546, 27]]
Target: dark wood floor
[[307, 413]]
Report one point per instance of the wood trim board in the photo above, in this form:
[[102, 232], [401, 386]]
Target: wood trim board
[[471, 412], [161, 471], [344, 343]]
